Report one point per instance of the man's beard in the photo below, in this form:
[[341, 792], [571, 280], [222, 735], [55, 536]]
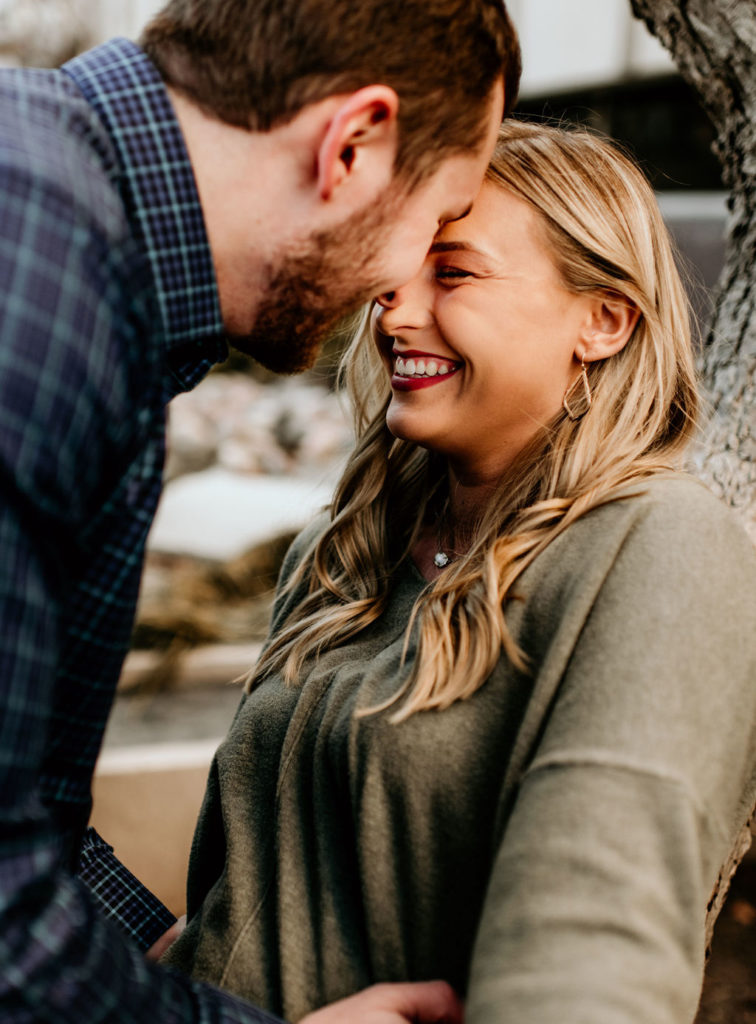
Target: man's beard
[[312, 289]]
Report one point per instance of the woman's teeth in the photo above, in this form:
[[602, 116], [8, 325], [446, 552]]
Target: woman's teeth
[[420, 367]]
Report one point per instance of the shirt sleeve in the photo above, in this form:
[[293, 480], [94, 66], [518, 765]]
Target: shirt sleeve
[[62, 961], [61, 377], [643, 774], [120, 895]]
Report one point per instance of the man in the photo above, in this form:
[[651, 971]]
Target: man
[[250, 173]]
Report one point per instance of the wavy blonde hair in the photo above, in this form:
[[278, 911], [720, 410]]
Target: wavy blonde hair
[[606, 235]]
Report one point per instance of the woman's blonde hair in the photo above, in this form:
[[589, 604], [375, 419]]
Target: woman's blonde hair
[[606, 235]]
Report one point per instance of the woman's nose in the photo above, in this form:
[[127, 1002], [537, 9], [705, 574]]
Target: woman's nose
[[407, 306], [391, 313]]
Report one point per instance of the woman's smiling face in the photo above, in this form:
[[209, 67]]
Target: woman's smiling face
[[481, 345]]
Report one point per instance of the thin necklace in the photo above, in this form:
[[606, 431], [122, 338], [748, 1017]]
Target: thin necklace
[[442, 558]]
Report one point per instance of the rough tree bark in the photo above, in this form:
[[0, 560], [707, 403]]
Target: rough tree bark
[[713, 43]]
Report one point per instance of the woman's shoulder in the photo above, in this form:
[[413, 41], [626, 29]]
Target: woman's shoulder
[[306, 538], [286, 597], [679, 494], [668, 513], [302, 543], [662, 534]]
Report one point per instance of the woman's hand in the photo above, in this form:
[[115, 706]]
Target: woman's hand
[[425, 1002], [167, 939]]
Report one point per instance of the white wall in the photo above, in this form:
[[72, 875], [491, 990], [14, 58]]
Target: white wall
[[123, 17], [565, 43], [572, 43]]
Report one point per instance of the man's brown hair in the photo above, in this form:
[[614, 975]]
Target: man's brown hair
[[256, 63]]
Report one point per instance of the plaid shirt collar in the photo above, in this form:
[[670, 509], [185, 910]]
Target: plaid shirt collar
[[126, 91]]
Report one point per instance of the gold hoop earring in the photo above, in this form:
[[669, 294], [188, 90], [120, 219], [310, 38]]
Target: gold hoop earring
[[578, 398]]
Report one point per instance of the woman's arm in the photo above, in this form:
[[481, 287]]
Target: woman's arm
[[645, 770]]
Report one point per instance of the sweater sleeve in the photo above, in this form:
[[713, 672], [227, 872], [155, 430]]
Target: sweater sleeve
[[644, 772]]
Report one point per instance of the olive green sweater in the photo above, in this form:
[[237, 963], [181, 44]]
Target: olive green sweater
[[549, 845]]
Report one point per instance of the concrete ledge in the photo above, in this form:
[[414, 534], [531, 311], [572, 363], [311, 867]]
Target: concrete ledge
[[207, 665]]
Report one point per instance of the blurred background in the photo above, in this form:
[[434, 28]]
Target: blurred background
[[252, 457]]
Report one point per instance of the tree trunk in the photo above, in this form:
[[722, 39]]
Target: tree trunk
[[713, 43]]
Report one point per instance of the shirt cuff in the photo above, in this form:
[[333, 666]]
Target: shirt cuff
[[119, 894]]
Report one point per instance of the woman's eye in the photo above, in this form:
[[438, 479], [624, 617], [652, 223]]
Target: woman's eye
[[452, 273]]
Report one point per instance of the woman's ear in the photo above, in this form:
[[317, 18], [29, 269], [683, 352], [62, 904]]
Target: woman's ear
[[360, 141], [610, 323]]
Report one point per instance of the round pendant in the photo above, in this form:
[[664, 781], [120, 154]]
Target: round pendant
[[440, 559]]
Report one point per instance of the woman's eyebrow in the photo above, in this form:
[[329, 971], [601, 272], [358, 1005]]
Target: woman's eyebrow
[[454, 247]]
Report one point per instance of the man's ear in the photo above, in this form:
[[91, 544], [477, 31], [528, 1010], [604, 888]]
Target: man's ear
[[360, 139], [608, 327]]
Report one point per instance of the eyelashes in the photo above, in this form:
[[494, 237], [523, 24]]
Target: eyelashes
[[452, 274]]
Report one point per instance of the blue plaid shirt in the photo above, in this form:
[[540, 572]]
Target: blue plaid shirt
[[108, 307]]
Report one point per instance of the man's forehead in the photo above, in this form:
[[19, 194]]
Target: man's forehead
[[459, 216]]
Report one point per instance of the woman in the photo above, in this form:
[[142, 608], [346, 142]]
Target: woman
[[503, 730]]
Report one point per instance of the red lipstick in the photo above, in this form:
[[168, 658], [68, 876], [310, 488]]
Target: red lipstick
[[404, 382], [400, 383]]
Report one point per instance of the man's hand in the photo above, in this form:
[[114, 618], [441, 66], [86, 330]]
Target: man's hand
[[425, 1002]]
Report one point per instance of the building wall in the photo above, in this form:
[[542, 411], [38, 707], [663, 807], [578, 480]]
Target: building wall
[[123, 17]]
